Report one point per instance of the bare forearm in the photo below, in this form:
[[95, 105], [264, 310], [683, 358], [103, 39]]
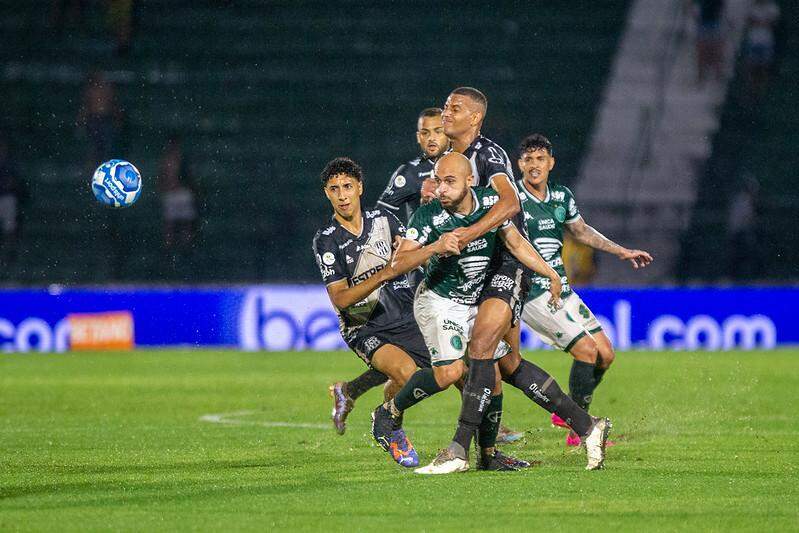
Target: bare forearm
[[344, 298], [499, 213], [405, 261], [591, 237], [527, 254]]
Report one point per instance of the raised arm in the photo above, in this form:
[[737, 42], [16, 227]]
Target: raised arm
[[589, 236], [529, 257], [410, 254], [507, 206]]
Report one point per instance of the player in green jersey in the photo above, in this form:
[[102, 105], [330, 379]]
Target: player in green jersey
[[549, 210], [445, 308]]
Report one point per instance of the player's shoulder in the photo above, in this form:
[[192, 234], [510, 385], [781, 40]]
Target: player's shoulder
[[486, 196], [324, 235], [485, 146], [559, 192], [428, 210]]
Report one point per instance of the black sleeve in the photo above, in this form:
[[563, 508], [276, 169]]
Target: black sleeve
[[328, 258], [493, 160], [395, 225], [400, 189]]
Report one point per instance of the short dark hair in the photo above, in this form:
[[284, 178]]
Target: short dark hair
[[474, 94], [341, 165], [534, 142], [431, 112]]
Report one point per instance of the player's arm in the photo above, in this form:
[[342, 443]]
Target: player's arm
[[343, 296], [411, 254], [507, 206], [397, 192], [529, 257], [589, 236]]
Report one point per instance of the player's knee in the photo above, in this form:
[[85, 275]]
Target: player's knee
[[483, 344], [586, 350], [446, 375], [606, 356]]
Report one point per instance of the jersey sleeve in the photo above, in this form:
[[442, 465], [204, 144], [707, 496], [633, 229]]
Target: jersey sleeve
[[572, 212], [399, 190], [328, 259], [420, 227], [493, 160], [395, 225]]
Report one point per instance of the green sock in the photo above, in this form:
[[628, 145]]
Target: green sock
[[489, 427], [421, 385]]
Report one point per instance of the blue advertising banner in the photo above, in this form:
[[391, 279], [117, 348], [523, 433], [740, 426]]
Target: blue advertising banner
[[300, 317]]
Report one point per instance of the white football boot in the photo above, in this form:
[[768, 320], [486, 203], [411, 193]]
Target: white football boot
[[444, 463], [595, 444]]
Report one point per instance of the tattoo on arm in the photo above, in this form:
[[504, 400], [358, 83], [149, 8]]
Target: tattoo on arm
[[591, 237]]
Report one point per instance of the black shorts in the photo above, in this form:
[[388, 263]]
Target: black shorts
[[509, 281], [407, 337]]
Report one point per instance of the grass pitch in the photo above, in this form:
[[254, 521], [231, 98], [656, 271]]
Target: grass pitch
[[706, 441]]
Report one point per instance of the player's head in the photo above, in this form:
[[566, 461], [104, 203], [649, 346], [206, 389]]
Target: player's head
[[536, 159], [342, 181], [464, 111], [453, 175], [430, 133]]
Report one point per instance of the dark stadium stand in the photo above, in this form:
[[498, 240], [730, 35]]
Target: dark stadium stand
[[757, 139], [264, 93]]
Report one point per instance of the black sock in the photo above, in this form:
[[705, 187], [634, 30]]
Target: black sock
[[476, 399], [489, 427], [369, 379], [582, 383], [421, 385], [542, 388]]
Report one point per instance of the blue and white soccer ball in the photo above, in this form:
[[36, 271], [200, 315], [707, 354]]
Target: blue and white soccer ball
[[116, 183]]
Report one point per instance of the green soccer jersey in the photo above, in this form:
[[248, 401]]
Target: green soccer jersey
[[459, 278], [545, 220]]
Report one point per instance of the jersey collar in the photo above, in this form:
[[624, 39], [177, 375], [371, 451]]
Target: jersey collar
[[531, 195], [475, 207], [345, 230]]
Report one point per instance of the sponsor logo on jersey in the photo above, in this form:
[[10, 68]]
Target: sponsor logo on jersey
[[399, 181], [342, 246], [545, 224], [450, 325], [329, 231], [401, 284], [372, 214], [327, 272], [328, 258], [473, 266], [350, 259], [538, 394], [371, 344], [558, 196], [363, 276], [488, 201], [441, 218], [548, 247], [478, 244]]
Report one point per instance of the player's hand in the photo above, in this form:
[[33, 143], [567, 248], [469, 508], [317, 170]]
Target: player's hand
[[447, 244], [396, 244], [555, 288], [464, 237], [637, 258], [429, 188]]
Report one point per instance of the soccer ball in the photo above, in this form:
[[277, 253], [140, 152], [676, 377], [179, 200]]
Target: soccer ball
[[116, 183]]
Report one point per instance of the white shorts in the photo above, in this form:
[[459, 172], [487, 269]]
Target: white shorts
[[446, 326], [564, 327]]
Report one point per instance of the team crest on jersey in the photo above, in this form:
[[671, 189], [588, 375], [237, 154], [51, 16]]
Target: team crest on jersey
[[412, 234], [328, 258], [399, 181], [382, 249], [548, 247], [560, 213], [456, 342]]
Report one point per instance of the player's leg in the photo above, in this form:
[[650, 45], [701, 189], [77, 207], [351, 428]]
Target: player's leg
[[344, 394], [506, 435], [492, 321]]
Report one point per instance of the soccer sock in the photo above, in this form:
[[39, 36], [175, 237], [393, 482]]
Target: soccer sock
[[582, 383], [489, 427], [369, 379], [476, 398], [421, 385], [542, 388], [599, 372]]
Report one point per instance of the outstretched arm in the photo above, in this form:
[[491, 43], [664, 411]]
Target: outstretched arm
[[529, 257], [507, 206], [410, 254], [589, 236], [343, 296]]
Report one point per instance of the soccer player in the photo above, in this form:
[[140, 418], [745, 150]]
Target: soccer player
[[374, 304], [446, 309], [501, 299], [549, 209], [410, 185]]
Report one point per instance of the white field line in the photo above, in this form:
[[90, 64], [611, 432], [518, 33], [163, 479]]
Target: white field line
[[234, 419]]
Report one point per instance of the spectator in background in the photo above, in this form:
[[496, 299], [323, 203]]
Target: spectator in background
[[579, 262], [11, 193], [178, 196], [742, 230], [100, 118], [709, 39], [759, 45]]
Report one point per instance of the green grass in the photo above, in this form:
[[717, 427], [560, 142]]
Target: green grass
[[114, 441]]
